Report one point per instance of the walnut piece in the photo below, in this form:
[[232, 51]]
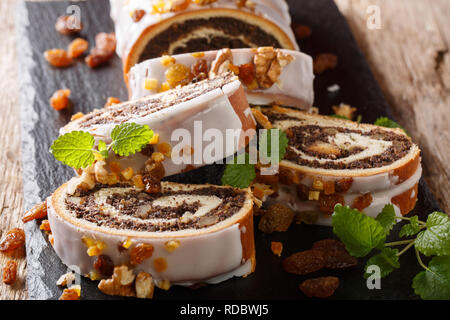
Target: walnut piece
[[221, 63], [144, 286], [269, 63], [121, 283], [66, 279]]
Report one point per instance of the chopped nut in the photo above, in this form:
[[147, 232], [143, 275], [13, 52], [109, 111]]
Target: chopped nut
[[317, 184], [39, 211], [60, 99], [324, 61], [144, 286], [10, 272], [220, 64], [68, 25], [261, 119], [66, 279], [111, 101], [160, 264], [207, 221], [77, 47], [171, 245], [344, 110], [58, 58], [157, 157], [124, 275], [150, 84], [140, 252], [276, 247], [95, 247], [163, 284], [70, 294], [101, 174], [127, 174], [76, 116], [167, 61], [269, 63], [313, 195], [120, 284]]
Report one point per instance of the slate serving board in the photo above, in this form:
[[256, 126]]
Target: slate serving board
[[90, 88]]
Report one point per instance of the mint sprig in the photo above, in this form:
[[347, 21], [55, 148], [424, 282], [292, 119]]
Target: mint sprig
[[77, 148], [388, 123], [241, 175], [361, 234]]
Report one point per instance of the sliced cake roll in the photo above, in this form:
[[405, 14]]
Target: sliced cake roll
[[269, 75], [330, 161], [179, 118], [150, 28], [185, 234]]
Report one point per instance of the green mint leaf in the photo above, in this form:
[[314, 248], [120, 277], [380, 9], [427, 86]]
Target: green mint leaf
[[265, 143], [103, 148], [129, 138], [434, 284], [359, 233], [359, 118], [386, 260], [239, 175], [74, 149], [435, 240], [411, 228], [387, 218], [388, 123]]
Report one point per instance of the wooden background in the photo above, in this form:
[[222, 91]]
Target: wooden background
[[409, 56]]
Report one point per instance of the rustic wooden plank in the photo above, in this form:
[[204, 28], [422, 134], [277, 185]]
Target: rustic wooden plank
[[410, 58], [11, 195]]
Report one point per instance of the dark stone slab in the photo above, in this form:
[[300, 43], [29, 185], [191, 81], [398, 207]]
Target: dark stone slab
[[90, 88]]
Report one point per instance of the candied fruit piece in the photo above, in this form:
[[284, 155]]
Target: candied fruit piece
[[247, 73], [165, 148], [60, 99], [363, 201], [304, 262], [104, 265], [322, 287], [137, 15], [278, 217], [127, 174], [343, 185], [58, 58], [199, 70], [276, 247], [12, 241], [68, 25], [324, 61], [111, 101], [45, 225], [10, 272], [39, 211], [167, 60], [160, 264], [140, 252], [150, 84], [77, 47], [152, 184], [172, 245], [327, 203], [70, 294], [178, 74]]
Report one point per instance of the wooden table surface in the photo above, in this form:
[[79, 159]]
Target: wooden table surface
[[409, 55]]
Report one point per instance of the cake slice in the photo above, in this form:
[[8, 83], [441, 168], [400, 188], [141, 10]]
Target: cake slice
[[269, 75], [330, 161], [148, 29], [185, 234], [179, 117]]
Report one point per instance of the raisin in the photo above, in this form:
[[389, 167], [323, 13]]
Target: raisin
[[304, 262], [327, 203], [152, 184], [343, 185], [60, 99], [10, 272], [247, 73], [277, 218], [276, 247], [77, 47], [335, 254], [68, 25], [137, 15], [199, 70], [307, 217], [362, 201], [178, 74], [105, 44], [69, 294], [322, 287], [160, 264], [39, 211], [324, 61], [140, 252], [13, 240], [302, 32], [104, 265], [58, 58]]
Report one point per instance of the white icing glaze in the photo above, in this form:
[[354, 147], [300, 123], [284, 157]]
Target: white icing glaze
[[208, 257], [213, 110], [288, 195], [293, 88], [127, 31]]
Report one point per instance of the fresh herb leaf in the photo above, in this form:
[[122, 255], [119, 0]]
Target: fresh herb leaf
[[74, 149], [434, 283], [103, 148], [237, 174], [411, 228], [435, 240], [386, 260], [338, 116], [387, 218], [359, 233], [265, 143], [129, 138], [388, 123], [358, 118]]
